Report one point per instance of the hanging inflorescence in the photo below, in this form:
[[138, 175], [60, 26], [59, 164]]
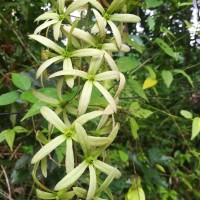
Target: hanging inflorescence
[[85, 65]]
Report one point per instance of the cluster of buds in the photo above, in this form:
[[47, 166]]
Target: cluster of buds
[[86, 63]]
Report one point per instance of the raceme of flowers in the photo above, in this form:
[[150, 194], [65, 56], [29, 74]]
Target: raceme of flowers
[[83, 65]]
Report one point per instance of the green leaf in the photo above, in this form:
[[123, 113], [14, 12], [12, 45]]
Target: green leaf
[[10, 137], [20, 129], [123, 156], [151, 23], [137, 88], [186, 114], [134, 128], [9, 98], [2, 136], [149, 82], [180, 71], [165, 47], [167, 77], [34, 110], [126, 64], [136, 42], [153, 3], [195, 127], [21, 81], [139, 112]]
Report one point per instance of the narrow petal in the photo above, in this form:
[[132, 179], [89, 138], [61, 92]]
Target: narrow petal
[[114, 5], [80, 34], [110, 61], [67, 65], [122, 82], [45, 25], [85, 97], [116, 33], [69, 160], [59, 86], [107, 169], [80, 192], [71, 110], [87, 52], [82, 138], [61, 6], [95, 64], [46, 64], [109, 75], [75, 5], [113, 47], [72, 177], [45, 195], [48, 43], [53, 119], [66, 120], [44, 166], [71, 72], [93, 183], [127, 18], [56, 30], [97, 5], [100, 22], [106, 94], [45, 98], [48, 148], [106, 183], [98, 141], [88, 116], [47, 16]]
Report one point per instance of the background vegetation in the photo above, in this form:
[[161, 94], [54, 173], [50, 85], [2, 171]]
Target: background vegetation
[[163, 82]]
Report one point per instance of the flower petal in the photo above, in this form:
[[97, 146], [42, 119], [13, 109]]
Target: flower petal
[[80, 192], [80, 34], [106, 94], [70, 178], [101, 22], [48, 148], [75, 5], [97, 5], [113, 47], [61, 6], [67, 65], [53, 119], [116, 33], [45, 195], [107, 169], [69, 160], [82, 138], [127, 18], [88, 116], [56, 30], [122, 82], [114, 5], [98, 141], [87, 52], [109, 75], [45, 25], [95, 64], [85, 97], [47, 16], [46, 64], [93, 183], [72, 72], [48, 43], [110, 61], [45, 98]]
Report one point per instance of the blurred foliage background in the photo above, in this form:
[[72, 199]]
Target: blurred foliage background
[[157, 108]]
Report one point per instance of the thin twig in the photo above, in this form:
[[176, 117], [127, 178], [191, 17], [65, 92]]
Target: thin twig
[[7, 182]]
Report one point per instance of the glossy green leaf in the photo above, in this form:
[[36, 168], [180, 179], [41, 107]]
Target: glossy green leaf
[[134, 128], [195, 127], [20, 129], [165, 47], [186, 114], [167, 77], [2, 136], [153, 3], [10, 137], [21, 81], [126, 64], [123, 156], [9, 98], [137, 88]]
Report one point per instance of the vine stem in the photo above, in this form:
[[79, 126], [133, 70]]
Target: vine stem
[[19, 38]]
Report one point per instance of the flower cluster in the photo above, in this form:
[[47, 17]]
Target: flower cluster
[[87, 64]]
